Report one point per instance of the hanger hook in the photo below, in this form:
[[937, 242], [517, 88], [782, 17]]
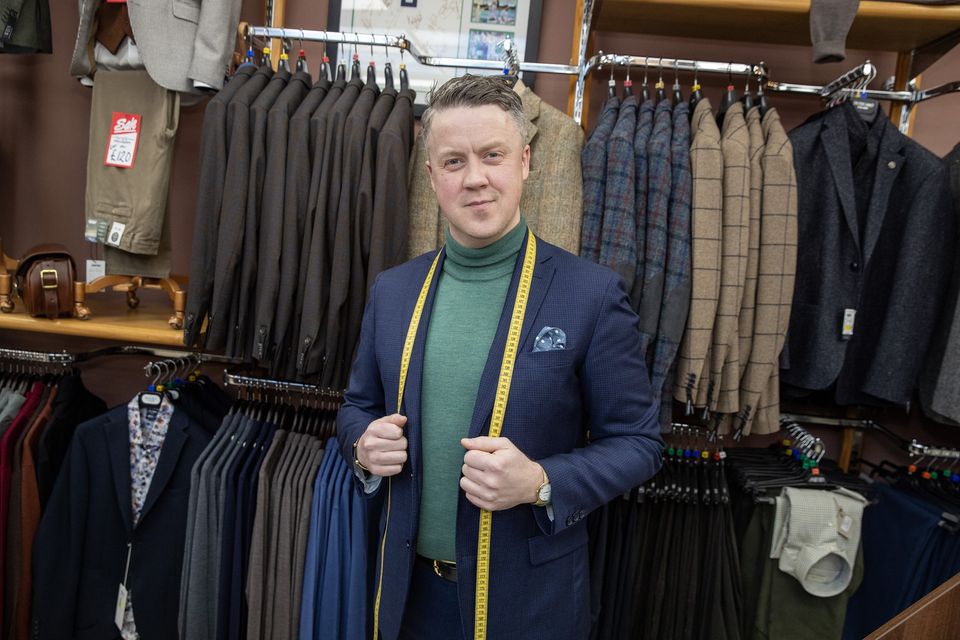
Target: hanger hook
[[660, 71], [646, 60], [696, 72]]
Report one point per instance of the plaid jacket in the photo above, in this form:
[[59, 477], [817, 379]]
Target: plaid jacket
[[734, 144], [706, 163], [640, 139], [775, 275], [593, 162], [676, 289], [618, 237], [658, 206]]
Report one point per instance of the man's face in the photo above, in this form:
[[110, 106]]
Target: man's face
[[477, 164]]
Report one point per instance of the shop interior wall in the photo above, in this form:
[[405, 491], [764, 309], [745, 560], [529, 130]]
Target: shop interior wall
[[44, 117]]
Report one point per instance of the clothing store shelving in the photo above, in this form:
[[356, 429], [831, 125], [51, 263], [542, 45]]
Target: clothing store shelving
[[881, 26], [112, 320], [919, 34]]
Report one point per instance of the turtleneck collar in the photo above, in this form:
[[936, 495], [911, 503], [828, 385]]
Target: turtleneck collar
[[486, 263]]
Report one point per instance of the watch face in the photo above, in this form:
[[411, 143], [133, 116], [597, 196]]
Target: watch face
[[544, 493]]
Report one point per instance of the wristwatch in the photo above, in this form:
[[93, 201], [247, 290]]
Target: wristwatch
[[356, 461], [543, 491]]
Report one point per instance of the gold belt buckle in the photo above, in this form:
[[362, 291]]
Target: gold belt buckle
[[48, 272]]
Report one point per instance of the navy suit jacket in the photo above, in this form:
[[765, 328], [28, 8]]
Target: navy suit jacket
[[539, 572], [80, 553]]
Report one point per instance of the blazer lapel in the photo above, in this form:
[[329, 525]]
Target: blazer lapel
[[117, 434], [414, 384], [486, 394], [173, 443], [531, 109], [890, 160], [833, 137]]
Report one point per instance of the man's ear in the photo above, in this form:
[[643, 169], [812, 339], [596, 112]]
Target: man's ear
[[525, 161]]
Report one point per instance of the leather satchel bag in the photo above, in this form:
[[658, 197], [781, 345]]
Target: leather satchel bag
[[45, 279]]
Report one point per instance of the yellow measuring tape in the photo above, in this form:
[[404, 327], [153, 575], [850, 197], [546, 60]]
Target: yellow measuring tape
[[496, 425]]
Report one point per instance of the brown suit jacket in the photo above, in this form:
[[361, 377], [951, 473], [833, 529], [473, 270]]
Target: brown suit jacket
[[706, 162], [735, 145], [552, 200], [759, 389], [748, 306]]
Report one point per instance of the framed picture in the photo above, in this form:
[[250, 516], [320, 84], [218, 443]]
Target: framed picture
[[471, 29]]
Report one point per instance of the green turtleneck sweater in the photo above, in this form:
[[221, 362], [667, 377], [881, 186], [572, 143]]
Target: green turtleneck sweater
[[466, 311]]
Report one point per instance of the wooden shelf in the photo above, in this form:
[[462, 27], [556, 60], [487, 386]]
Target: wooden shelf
[[111, 320], [883, 26]]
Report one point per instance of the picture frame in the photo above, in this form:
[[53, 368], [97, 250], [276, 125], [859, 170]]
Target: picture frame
[[443, 28]]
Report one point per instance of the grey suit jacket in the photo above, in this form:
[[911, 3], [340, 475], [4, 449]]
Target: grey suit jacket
[[706, 163], [233, 208], [940, 383], [552, 199], [296, 192], [213, 169], [272, 214], [180, 41], [892, 269]]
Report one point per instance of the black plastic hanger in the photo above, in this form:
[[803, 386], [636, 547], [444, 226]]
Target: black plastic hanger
[[371, 75], [325, 68], [729, 99], [747, 98], [388, 76], [677, 93], [341, 73], [661, 88], [696, 93]]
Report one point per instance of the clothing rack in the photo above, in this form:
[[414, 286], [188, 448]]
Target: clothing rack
[[267, 384], [405, 45], [917, 449], [65, 357], [809, 445]]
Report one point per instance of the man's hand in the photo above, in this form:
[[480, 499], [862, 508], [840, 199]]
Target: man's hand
[[497, 475], [382, 449]]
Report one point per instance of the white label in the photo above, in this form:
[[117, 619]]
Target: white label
[[96, 269], [116, 234], [846, 523], [848, 317], [121, 607]]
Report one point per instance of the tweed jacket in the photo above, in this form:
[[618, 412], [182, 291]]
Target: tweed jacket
[[776, 273], [655, 247], [618, 246], [735, 146], [939, 385], [180, 42], [552, 194], [640, 161], [706, 165], [891, 269]]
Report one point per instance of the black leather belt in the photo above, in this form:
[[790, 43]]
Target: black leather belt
[[441, 568]]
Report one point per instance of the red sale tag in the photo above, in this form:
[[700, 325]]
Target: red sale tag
[[122, 144]]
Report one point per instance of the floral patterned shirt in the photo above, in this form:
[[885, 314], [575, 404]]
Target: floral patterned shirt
[[146, 442]]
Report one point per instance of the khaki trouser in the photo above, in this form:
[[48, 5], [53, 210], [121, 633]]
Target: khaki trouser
[[126, 207]]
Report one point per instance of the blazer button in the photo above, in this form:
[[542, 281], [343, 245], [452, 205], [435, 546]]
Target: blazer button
[[854, 266], [569, 520], [408, 544], [891, 165]]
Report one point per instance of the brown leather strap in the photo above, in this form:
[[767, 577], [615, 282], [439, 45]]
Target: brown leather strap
[[51, 303]]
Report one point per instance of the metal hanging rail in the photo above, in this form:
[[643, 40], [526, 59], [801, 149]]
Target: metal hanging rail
[[20, 355], [64, 357], [404, 44], [917, 449], [283, 386]]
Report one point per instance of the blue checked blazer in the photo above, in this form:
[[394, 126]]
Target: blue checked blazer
[[593, 161], [618, 240], [676, 288], [539, 573], [658, 205], [640, 139]]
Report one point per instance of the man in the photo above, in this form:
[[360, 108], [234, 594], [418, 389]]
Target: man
[[572, 363]]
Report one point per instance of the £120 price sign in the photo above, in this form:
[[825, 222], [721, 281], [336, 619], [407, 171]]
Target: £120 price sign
[[122, 143]]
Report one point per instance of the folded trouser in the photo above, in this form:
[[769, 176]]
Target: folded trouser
[[126, 205]]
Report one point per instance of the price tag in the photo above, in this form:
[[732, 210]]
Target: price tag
[[96, 269], [849, 315], [121, 607], [122, 144]]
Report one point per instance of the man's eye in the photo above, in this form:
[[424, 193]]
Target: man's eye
[[452, 162], [494, 154]]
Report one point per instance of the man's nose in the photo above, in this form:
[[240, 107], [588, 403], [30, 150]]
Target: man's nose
[[476, 177]]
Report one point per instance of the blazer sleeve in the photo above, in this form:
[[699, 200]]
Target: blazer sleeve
[[363, 401], [625, 446], [58, 549], [214, 42]]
